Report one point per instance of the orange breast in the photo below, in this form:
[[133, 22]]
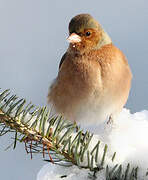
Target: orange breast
[[101, 79]]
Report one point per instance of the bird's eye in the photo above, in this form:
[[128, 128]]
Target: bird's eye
[[87, 33]]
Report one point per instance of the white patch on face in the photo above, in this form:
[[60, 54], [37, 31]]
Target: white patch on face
[[74, 38]]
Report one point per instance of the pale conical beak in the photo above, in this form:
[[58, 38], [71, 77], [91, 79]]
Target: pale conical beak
[[74, 38]]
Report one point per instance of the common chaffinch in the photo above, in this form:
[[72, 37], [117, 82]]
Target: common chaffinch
[[94, 77]]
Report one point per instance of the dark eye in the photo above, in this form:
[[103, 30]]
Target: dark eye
[[87, 33]]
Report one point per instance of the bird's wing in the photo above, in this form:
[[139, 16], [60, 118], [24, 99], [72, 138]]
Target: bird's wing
[[62, 60]]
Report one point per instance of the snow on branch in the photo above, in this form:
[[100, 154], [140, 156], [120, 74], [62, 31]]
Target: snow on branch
[[57, 139]]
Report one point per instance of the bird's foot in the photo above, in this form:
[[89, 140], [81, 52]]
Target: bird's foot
[[110, 120]]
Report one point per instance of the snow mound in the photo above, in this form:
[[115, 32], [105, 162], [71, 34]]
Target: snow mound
[[127, 136], [55, 172]]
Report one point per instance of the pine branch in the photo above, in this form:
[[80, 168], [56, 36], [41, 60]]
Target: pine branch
[[55, 137]]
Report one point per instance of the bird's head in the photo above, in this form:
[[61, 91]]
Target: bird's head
[[86, 34]]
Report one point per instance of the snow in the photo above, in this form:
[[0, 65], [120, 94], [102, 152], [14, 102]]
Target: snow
[[55, 172], [127, 136]]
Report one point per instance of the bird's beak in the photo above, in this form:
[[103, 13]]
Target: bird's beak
[[74, 38]]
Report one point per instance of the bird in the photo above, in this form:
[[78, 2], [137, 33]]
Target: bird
[[94, 78]]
